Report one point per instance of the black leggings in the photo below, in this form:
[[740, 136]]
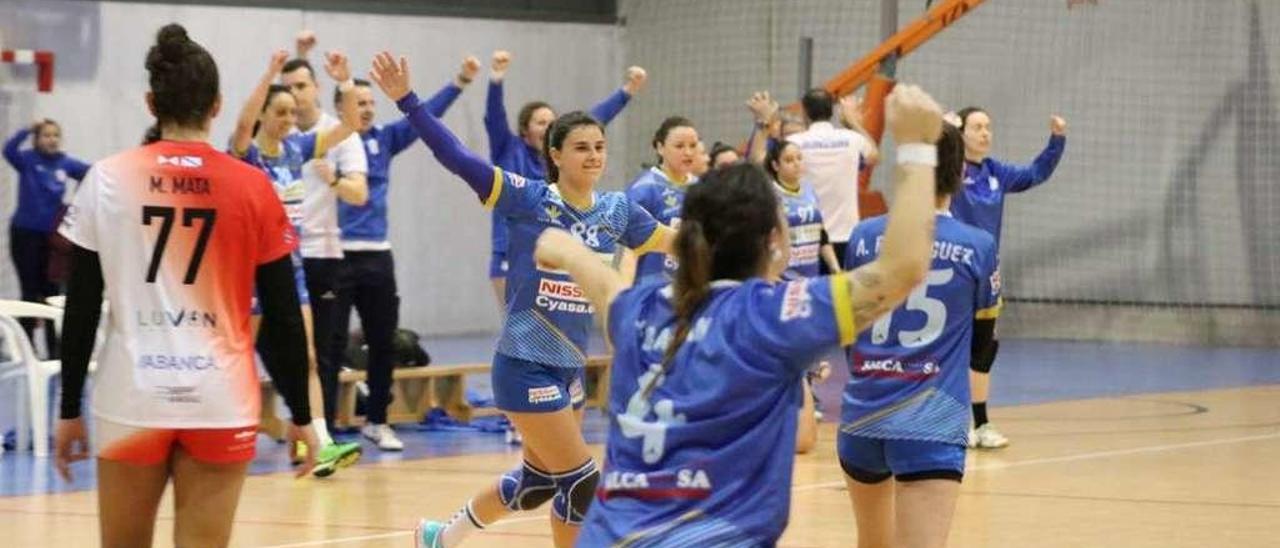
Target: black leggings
[[30, 252], [368, 283]]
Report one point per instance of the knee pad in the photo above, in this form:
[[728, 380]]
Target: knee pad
[[574, 491], [983, 360], [526, 488]]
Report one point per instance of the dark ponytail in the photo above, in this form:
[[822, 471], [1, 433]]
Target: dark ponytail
[[950, 169], [183, 78], [691, 287], [724, 235], [556, 134]]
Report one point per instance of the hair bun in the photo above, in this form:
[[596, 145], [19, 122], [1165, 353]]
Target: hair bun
[[172, 40], [172, 33]]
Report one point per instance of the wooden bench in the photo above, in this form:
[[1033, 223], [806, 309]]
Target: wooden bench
[[417, 390]]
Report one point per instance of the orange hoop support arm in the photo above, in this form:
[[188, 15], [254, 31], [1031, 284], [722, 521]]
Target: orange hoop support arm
[[899, 45], [876, 69]]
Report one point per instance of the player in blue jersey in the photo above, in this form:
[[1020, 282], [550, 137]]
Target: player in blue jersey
[[262, 138], [43, 172], [809, 245], [521, 152], [538, 366], [661, 188], [981, 203], [905, 416], [809, 241], [706, 371], [367, 279]]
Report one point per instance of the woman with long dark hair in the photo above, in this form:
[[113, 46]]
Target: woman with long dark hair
[[904, 422], [176, 235], [539, 362], [707, 369]]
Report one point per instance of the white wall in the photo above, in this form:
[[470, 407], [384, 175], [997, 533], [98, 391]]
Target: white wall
[[439, 231]]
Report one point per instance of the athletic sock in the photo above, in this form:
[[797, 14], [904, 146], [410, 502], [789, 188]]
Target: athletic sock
[[979, 414], [322, 432], [460, 526]]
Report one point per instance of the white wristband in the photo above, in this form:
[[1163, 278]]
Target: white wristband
[[919, 154]]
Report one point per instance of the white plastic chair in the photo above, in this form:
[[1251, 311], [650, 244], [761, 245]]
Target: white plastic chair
[[39, 373], [14, 369]]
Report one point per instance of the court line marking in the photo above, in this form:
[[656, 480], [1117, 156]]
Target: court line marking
[[1081, 456], [826, 485], [342, 540]]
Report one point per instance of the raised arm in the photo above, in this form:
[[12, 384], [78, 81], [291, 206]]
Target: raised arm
[[400, 134], [763, 109], [609, 108], [443, 99], [242, 136], [851, 114], [303, 42], [335, 63], [13, 147], [1022, 178], [495, 111], [392, 77], [915, 121]]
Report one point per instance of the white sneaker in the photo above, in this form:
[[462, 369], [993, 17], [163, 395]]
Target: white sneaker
[[987, 437], [383, 435]]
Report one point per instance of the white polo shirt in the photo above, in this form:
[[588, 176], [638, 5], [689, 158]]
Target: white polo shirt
[[321, 236], [831, 159]]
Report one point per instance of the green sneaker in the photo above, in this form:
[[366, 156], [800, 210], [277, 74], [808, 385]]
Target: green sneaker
[[335, 456], [428, 534]]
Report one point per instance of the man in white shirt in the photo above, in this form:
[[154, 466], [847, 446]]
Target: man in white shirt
[[339, 176], [832, 157]]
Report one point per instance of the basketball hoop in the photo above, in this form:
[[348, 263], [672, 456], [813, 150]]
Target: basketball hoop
[[42, 59]]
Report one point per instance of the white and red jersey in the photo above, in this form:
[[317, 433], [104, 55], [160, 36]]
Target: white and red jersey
[[180, 230]]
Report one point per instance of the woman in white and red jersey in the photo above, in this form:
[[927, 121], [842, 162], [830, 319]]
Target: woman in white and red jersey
[[177, 234]]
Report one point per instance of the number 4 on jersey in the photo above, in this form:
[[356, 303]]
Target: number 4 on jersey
[[653, 433], [189, 216]]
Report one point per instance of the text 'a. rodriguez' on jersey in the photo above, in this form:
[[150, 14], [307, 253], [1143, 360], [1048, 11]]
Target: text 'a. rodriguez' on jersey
[[180, 230], [909, 373], [549, 318], [663, 198], [708, 451]]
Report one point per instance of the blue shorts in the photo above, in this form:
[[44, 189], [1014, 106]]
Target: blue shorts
[[872, 460], [523, 386], [299, 281]]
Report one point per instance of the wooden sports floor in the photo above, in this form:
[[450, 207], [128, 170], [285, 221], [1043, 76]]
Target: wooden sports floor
[[1194, 469]]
